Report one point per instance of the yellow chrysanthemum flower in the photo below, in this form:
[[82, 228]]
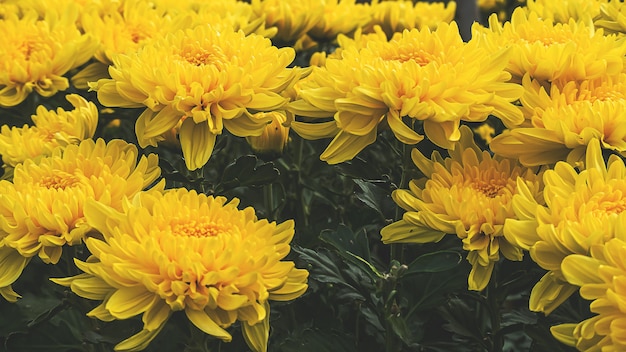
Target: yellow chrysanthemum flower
[[35, 54], [559, 125], [42, 209], [427, 76], [564, 10], [51, 129], [602, 279], [548, 51], [396, 16], [582, 209], [209, 79], [292, 18], [123, 31], [187, 251], [340, 17], [612, 17], [468, 194]]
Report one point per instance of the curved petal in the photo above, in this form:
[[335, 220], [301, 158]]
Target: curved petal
[[200, 319], [197, 143]]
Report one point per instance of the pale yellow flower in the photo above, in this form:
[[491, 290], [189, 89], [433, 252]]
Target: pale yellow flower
[[564, 10], [124, 31], [469, 195], [602, 280], [612, 17], [340, 17], [42, 209], [208, 79], [396, 16], [418, 75], [36, 53], [292, 18], [561, 123], [581, 209], [183, 251], [51, 129], [548, 51]]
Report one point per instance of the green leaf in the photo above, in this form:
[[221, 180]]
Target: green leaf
[[435, 262], [353, 247], [245, 172], [373, 195]]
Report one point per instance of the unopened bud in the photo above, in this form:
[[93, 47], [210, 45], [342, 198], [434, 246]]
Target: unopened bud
[[270, 144]]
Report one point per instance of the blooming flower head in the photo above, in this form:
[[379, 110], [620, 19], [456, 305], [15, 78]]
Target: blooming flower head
[[208, 78], [612, 17], [423, 75], [468, 194], [340, 17], [42, 209], [35, 53], [602, 280], [564, 10], [560, 124], [123, 30], [548, 51], [396, 16], [186, 251], [51, 129], [292, 18], [581, 209]]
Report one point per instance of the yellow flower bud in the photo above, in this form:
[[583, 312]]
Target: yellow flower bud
[[270, 144]]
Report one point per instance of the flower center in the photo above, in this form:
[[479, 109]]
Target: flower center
[[200, 56], [490, 188], [193, 228], [420, 56], [60, 180]]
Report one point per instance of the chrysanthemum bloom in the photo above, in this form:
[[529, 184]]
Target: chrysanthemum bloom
[[612, 17], [292, 18], [548, 51], [564, 10], [582, 209], [43, 208], [51, 129], [396, 16], [187, 251], [560, 124], [427, 76], [340, 17], [207, 78], [36, 53], [468, 194], [602, 279], [123, 30]]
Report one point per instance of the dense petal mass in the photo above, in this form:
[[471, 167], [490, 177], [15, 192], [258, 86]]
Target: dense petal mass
[[36, 52], [418, 75], [183, 251], [42, 209], [51, 129], [198, 79], [602, 280], [581, 209], [469, 195], [561, 123], [548, 51]]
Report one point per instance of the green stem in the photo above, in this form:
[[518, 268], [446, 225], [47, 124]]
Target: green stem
[[494, 311], [397, 249], [269, 202]]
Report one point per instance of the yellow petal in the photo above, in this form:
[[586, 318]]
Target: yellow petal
[[313, 131], [404, 133], [12, 263], [200, 319], [564, 333], [197, 143], [346, 146], [257, 335], [405, 232], [139, 341], [127, 302]]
